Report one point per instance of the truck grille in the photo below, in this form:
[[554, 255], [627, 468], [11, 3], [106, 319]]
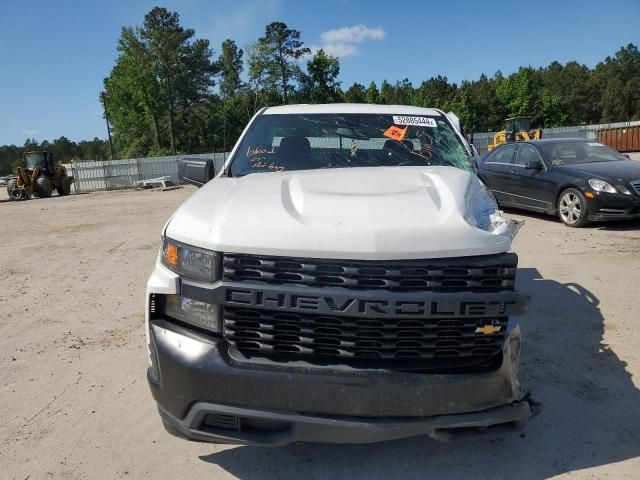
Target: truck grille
[[390, 342], [636, 186], [489, 273]]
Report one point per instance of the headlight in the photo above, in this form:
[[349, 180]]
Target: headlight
[[481, 204], [601, 186], [191, 262], [623, 189], [194, 312]]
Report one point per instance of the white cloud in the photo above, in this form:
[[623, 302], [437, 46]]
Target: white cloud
[[345, 41], [355, 34], [339, 49], [29, 132]]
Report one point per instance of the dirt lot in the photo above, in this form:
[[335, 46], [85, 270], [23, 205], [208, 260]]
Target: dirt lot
[[74, 401]]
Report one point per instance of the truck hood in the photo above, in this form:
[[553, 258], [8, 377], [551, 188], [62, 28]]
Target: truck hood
[[352, 213]]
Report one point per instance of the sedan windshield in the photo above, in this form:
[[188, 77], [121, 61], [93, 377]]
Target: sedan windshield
[[277, 143], [571, 153]]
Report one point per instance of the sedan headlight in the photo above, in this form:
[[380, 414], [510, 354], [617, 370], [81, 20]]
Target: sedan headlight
[[601, 186], [190, 262]]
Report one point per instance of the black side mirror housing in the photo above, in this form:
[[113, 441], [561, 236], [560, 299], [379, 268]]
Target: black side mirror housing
[[535, 165], [196, 171], [627, 155]]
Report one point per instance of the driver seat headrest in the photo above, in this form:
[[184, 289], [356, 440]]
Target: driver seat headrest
[[294, 146]]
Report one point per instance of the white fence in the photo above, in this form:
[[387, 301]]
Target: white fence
[[90, 176]]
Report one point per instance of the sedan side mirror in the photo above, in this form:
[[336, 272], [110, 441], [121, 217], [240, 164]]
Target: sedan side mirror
[[196, 171], [627, 155], [535, 165]]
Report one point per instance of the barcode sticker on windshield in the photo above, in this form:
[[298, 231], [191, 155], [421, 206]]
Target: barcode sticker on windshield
[[418, 121]]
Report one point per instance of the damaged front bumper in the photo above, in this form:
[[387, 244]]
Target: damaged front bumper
[[205, 392], [210, 422], [507, 227]]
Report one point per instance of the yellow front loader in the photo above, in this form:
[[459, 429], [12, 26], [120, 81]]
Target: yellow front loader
[[516, 130], [39, 176]]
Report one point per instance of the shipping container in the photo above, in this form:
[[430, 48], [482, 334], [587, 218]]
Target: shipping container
[[623, 139]]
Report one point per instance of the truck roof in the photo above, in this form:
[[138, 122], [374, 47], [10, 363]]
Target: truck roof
[[350, 108]]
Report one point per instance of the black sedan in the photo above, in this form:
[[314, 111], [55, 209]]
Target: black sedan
[[578, 180]]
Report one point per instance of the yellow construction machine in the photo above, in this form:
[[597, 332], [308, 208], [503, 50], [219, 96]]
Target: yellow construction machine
[[516, 130], [39, 176]]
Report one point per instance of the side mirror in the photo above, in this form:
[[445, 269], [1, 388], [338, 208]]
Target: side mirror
[[196, 171], [627, 155], [535, 165]]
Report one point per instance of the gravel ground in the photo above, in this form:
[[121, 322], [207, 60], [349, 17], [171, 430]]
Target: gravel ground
[[74, 402]]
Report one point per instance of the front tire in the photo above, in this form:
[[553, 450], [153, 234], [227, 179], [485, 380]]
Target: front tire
[[572, 208], [10, 186]]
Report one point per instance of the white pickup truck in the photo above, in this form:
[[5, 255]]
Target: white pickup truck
[[344, 278]]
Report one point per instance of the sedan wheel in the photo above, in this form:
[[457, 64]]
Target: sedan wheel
[[572, 208]]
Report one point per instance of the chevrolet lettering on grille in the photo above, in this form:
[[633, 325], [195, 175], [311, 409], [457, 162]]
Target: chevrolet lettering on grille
[[430, 306]]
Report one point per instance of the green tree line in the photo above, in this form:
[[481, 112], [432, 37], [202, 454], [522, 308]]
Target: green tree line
[[169, 92]]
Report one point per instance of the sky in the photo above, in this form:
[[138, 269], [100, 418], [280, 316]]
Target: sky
[[55, 55]]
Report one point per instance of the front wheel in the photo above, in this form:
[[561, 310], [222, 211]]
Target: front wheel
[[17, 193], [572, 208], [10, 186]]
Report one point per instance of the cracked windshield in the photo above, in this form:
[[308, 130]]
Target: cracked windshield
[[303, 142]]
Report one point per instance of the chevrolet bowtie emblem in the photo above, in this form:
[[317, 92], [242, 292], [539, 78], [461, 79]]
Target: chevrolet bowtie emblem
[[488, 329]]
